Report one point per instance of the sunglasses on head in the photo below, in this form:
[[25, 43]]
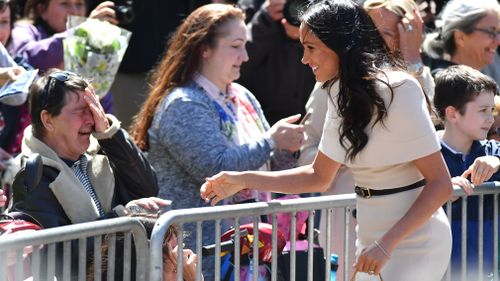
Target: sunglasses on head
[[54, 77]]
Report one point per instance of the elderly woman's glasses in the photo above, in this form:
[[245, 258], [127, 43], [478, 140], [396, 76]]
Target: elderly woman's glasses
[[493, 34], [54, 77]]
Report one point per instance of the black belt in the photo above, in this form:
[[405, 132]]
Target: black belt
[[367, 192]]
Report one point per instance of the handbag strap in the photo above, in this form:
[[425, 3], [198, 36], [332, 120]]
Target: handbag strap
[[353, 277]]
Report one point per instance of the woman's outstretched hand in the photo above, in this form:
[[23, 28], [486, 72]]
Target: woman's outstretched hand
[[221, 186]]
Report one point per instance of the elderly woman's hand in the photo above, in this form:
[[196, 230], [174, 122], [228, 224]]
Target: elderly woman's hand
[[101, 123], [150, 203], [286, 135]]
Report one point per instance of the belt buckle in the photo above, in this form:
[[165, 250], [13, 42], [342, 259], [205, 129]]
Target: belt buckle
[[363, 192]]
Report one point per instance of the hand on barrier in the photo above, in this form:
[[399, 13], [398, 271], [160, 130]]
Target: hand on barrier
[[148, 204], [482, 169], [463, 183]]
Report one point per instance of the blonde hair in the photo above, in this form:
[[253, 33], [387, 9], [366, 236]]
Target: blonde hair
[[496, 111], [398, 7]]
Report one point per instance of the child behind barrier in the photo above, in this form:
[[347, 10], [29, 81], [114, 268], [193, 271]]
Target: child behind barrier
[[464, 100], [148, 220]]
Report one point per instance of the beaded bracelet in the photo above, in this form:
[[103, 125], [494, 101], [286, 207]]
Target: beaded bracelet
[[382, 249]]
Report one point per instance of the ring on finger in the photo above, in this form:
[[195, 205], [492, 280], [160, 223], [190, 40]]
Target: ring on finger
[[371, 272], [409, 28]]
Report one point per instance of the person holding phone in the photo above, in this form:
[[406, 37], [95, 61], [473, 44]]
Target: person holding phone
[[401, 178]]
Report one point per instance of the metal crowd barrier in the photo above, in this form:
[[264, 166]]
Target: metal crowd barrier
[[489, 188], [253, 210], [44, 243], [149, 259], [324, 203]]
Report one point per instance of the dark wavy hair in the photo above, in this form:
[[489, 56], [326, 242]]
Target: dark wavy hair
[[345, 27]]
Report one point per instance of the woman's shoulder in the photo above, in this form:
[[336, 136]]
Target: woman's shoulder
[[394, 78], [398, 85], [22, 33], [188, 92], [187, 98]]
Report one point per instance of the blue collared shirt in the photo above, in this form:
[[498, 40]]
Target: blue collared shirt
[[458, 162]]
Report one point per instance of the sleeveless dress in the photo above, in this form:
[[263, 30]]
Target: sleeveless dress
[[406, 134]]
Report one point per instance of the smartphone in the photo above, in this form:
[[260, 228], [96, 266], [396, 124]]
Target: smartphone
[[304, 119]]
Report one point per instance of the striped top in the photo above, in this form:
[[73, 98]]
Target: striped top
[[80, 170]]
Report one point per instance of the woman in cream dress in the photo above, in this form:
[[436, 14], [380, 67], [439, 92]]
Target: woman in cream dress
[[378, 125]]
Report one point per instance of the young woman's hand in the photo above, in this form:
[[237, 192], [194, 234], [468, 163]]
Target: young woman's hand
[[286, 134], [221, 186], [482, 169], [104, 12], [372, 259]]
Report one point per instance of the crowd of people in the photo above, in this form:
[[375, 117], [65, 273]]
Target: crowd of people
[[404, 107]]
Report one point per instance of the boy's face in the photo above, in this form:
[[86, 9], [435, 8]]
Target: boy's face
[[477, 118]]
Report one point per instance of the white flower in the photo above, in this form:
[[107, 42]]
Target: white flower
[[101, 34]]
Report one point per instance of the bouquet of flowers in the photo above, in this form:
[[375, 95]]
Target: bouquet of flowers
[[95, 50]]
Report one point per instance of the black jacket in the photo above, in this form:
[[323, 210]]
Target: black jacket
[[134, 178]]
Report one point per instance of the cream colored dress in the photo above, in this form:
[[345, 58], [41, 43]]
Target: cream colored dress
[[386, 162]]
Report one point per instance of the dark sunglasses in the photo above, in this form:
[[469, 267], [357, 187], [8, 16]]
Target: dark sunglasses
[[54, 77], [4, 4]]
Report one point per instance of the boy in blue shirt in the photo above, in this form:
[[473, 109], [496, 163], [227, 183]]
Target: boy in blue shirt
[[464, 100]]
